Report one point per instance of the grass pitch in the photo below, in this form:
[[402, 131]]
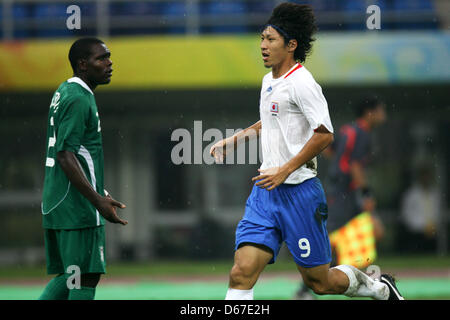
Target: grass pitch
[[418, 278]]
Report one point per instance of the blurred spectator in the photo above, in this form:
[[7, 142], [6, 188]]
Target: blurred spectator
[[420, 213], [348, 188]]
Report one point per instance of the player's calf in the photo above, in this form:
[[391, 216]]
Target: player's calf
[[319, 288], [323, 281]]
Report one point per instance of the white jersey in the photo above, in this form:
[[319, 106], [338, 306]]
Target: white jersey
[[291, 108]]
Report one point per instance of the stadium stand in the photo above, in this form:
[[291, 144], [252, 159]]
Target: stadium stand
[[41, 19]]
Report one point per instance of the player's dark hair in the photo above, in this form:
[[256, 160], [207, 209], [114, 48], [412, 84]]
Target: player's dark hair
[[296, 21], [81, 49], [368, 103]]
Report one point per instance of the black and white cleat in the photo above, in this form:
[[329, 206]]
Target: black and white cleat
[[394, 294]]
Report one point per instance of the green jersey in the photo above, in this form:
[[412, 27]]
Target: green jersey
[[73, 125]]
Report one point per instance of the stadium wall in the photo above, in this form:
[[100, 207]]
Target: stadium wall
[[233, 61]]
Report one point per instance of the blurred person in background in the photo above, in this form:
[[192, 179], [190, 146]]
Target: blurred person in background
[[420, 210], [352, 223], [74, 202]]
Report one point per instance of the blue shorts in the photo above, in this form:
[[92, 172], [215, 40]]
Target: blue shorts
[[293, 213]]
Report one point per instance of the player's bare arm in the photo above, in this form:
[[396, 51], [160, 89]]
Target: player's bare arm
[[106, 206], [360, 182], [358, 175], [219, 149], [368, 202], [328, 152], [271, 178]]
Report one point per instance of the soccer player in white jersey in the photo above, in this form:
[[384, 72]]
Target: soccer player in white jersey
[[287, 203]]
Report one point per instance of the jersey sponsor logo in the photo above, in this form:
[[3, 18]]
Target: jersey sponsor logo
[[274, 108]]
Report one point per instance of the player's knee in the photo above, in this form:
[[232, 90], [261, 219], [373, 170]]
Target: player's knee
[[241, 272], [238, 272]]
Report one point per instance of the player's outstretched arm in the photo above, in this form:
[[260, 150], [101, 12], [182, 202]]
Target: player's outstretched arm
[[220, 149], [106, 206]]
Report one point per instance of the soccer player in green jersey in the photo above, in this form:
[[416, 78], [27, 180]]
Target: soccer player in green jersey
[[74, 202]]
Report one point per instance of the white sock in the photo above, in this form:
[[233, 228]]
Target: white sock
[[236, 294], [361, 285]]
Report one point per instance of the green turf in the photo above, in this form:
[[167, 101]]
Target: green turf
[[278, 288], [154, 268]]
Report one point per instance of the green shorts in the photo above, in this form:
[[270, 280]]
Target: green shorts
[[84, 248]]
